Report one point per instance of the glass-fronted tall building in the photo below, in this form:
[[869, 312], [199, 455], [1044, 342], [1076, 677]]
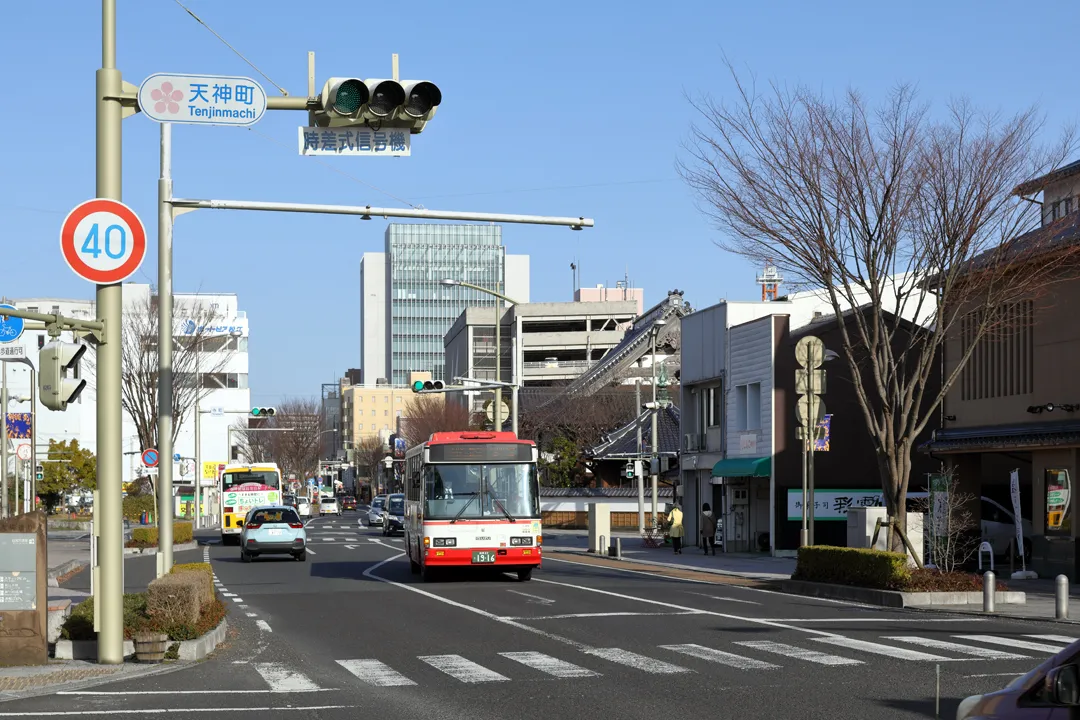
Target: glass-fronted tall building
[[419, 308]]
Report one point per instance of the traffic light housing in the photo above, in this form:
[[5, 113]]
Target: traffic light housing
[[55, 361], [428, 386], [263, 412], [379, 103], [39, 472]]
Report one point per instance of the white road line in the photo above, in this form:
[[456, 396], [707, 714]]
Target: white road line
[[719, 656], [638, 662], [547, 664], [187, 692], [309, 551], [226, 594], [1013, 643], [1054, 638], [263, 625], [282, 678], [877, 649], [986, 675], [799, 653], [535, 598], [238, 600], [979, 652], [175, 711], [462, 669], [725, 599], [243, 607], [350, 547], [569, 616], [879, 620], [252, 614], [375, 673]]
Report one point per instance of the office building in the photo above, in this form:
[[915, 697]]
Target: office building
[[405, 316]]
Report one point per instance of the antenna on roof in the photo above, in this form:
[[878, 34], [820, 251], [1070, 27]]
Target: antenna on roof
[[769, 279]]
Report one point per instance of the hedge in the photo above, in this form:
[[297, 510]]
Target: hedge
[[136, 505], [860, 567], [174, 600], [80, 624], [203, 575], [149, 535]]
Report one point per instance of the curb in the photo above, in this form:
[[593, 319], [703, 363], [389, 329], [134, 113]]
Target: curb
[[196, 649], [998, 615], [85, 649], [193, 545], [894, 598], [200, 647], [124, 672], [653, 563], [63, 569]]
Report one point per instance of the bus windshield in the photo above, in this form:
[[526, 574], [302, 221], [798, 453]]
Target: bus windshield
[[504, 490], [234, 478]]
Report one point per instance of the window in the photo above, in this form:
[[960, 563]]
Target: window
[[1068, 205], [386, 413], [372, 413], [359, 398], [386, 398], [716, 406], [398, 400], [748, 407], [397, 413], [372, 428]]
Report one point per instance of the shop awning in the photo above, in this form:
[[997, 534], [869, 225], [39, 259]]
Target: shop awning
[[743, 467]]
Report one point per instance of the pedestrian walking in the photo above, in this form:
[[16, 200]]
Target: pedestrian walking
[[708, 529], [675, 528]]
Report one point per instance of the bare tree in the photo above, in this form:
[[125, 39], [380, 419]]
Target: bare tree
[[370, 452], [890, 209], [582, 420], [954, 531], [290, 438], [425, 415], [197, 348]]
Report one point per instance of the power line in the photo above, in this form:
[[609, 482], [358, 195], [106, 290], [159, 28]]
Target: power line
[[550, 187]]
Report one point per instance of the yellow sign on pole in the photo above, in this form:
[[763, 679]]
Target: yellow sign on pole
[[210, 469]]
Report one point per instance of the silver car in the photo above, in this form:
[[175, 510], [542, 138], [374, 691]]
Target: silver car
[[273, 530], [375, 512]]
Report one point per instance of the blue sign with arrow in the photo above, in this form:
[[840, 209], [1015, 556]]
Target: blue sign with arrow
[[176, 457], [11, 328]]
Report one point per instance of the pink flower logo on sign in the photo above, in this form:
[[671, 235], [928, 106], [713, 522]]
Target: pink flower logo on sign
[[166, 98]]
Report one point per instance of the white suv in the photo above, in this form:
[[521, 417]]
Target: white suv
[[329, 506]]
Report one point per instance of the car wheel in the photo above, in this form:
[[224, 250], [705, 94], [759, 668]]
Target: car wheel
[[427, 573], [524, 574], [302, 557], [244, 557], [414, 567]]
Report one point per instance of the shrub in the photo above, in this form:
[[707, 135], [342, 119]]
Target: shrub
[[174, 600], [852, 566], [136, 505], [935, 581], [80, 623], [148, 536], [202, 574]]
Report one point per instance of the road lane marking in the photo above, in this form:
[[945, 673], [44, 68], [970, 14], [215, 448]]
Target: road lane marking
[[1013, 643], [549, 665], [243, 607], [309, 551], [798, 653], [226, 594], [284, 679], [638, 662], [238, 600], [719, 656], [190, 692], [350, 547], [878, 649], [535, 598], [375, 673], [252, 614], [462, 669], [980, 652], [725, 599], [263, 625], [569, 616], [1054, 638], [176, 710], [880, 620], [988, 675]]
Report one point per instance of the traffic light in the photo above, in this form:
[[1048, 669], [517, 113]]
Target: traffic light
[[39, 472], [428, 385], [55, 360], [378, 103], [263, 412]]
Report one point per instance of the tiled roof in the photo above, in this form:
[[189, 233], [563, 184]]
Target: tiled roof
[[1037, 184], [622, 443], [1023, 436], [1060, 234], [620, 492]]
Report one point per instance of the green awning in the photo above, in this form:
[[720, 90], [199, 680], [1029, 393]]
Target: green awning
[[743, 467]]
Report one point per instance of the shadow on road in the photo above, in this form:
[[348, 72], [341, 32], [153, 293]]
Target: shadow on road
[[921, 708]]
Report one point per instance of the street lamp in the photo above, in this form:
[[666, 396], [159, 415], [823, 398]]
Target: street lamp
[[388, 463], [497, 406]]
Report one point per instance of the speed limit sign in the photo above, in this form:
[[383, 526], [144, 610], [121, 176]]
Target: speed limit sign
[[23, 452]]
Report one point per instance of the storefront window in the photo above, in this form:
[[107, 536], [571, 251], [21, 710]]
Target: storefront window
[[1058, 502]]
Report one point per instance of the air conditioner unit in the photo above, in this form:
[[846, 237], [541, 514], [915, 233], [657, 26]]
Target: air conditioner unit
[[692, 442]]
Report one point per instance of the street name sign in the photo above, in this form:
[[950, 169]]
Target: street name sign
[[150, 457], [103, 241], [202, 99], [11, 328], [365, 142]]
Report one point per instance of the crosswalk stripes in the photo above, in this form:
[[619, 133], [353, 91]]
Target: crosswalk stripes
[[549, 665], [1054, 638], [980, 652], [798, 653], [737, 656], [1013, 643], [375, 673], [462, 669]]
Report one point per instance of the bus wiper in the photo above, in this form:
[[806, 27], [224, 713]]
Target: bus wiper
[[463, 509], [496, 500]]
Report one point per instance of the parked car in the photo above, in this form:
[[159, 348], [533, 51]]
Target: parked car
[[348, 503], [394, 514], [303, 507], [375, 512], [1049, 692], [329, 506], [289, 500], [999, 528], [273, 530]]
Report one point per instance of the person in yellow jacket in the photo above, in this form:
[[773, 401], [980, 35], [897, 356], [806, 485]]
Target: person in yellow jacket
[[675, 528]]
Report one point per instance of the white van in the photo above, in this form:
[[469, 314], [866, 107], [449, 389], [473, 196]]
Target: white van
[[303, 507]]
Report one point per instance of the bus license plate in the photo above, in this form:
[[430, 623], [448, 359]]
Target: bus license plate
[[484, 556]]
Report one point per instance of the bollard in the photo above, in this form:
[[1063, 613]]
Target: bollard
[[1061, 597], [603, 546], [618, 548], [989, 586]]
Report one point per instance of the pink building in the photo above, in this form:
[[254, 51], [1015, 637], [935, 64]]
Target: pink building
[[605, 294]]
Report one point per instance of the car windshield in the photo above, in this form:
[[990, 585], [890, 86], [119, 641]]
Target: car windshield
[[397, 506], [378, 503], [503, 490], [266, 478], [274, 516], [329, 501]]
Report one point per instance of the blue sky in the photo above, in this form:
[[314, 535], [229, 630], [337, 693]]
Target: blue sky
[[560, 108]]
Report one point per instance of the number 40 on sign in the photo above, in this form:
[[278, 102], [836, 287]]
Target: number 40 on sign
[[103, 241]]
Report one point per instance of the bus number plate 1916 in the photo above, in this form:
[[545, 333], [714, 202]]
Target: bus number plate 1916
[[484, 556]]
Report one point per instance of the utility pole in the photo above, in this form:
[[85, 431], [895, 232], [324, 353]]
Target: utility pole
[[654, 460], [109, 301], [3, 444], [637, 466], [165, 357]]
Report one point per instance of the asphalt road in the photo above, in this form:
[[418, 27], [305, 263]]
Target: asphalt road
[[352, 633]]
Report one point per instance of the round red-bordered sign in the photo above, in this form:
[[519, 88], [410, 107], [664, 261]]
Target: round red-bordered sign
[[103, 241]]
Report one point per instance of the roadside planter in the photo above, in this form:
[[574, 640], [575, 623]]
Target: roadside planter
[[150, 647]]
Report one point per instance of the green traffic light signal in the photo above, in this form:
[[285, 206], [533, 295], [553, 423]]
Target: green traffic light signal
[[418, 386], [262, 412]]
